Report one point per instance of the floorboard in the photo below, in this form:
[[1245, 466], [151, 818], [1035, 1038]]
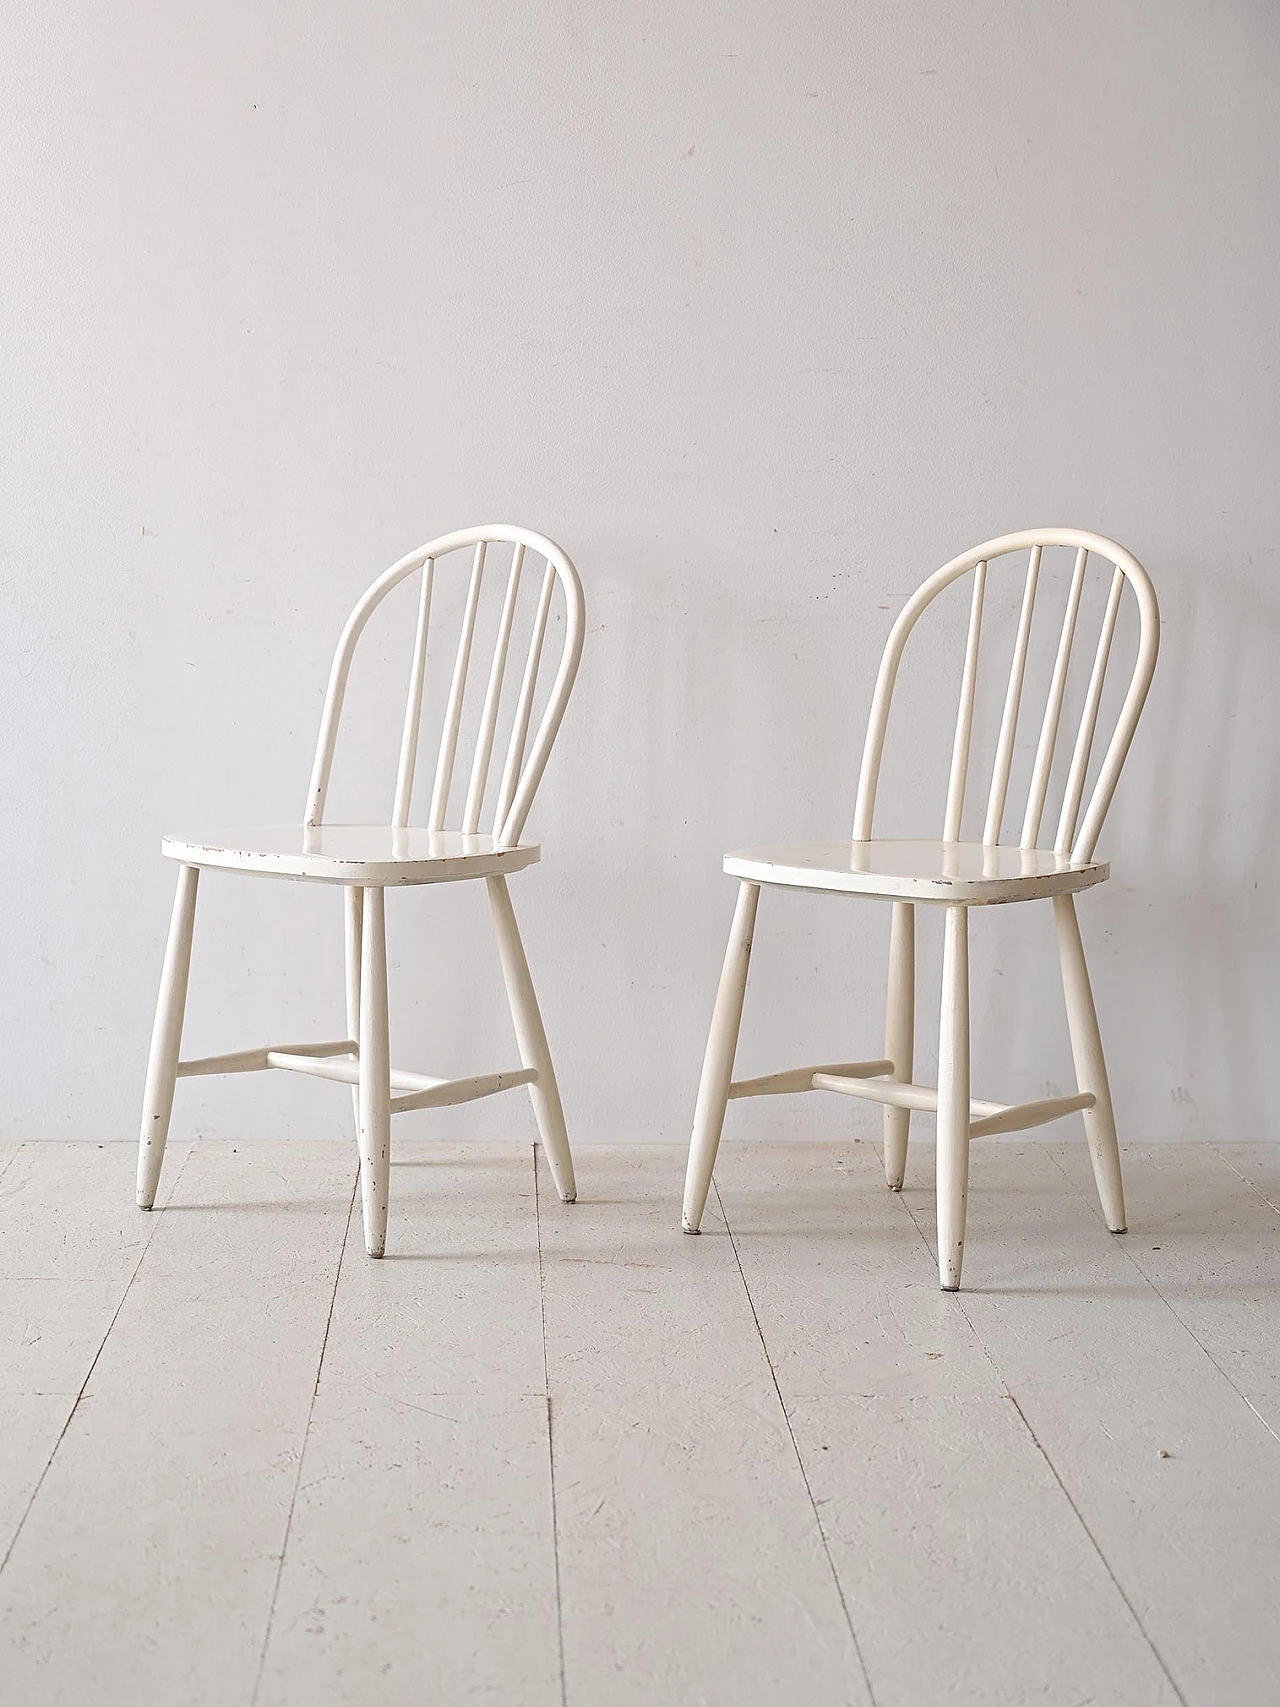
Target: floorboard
[[71, 1239], [421, 1557], [146, 1568], [959, 1555], [969, 1577], [1259, 1164], [421, 1561], [692, 1566], [1209, 1243], [847, 1298], [1173, 1474], [566, 1455]]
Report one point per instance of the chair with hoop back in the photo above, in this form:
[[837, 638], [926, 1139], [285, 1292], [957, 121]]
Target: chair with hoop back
[[957, 875], [367, 858]]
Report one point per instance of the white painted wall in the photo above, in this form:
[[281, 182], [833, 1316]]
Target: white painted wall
[[763, 311]]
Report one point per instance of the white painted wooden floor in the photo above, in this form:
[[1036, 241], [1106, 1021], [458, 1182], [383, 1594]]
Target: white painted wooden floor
[[549, 1455]]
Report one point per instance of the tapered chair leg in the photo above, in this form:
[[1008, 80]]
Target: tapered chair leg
[[353, 909], [166, 1038], [375, 1075], [531, 1039], [717, 1064], [953, 1099], [900, 1035], [1091, 1066]]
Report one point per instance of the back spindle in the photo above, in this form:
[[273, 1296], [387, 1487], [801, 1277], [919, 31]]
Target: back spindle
[[964, 716], [1074, 792], [413, 707], [457, 693], [492, 698], [1012, 703], [1053, 707], [524, 709]]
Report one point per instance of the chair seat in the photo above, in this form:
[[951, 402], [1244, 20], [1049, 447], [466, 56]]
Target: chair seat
[[965, 872], [368, 854]]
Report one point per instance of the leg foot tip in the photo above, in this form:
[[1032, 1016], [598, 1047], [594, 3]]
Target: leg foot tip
[[1118, 1230], [894, 1184], [954, 1288], [686, 1228]]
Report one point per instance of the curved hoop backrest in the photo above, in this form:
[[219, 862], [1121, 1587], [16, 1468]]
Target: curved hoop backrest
[[1079, 843], [522, 765]]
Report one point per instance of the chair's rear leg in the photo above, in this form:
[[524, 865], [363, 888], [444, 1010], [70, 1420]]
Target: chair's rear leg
[[900, 1035], [1091, 1066], [375, 1075], [353, 907], [531, 1039], [166, 1038], [717, 1064], [953, 1099]]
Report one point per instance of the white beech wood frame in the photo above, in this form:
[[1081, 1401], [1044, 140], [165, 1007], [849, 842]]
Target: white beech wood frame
[[366, 858], [957, 875]]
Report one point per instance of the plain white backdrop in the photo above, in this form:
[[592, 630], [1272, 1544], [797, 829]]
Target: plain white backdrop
[[763, 312]]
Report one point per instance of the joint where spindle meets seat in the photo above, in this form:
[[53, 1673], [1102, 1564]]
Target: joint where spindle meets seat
[[479, 837], [956, 875]]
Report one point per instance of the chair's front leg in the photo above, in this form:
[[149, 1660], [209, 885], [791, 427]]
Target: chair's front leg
[[717, 1065], [375, 1075], [353, 915], [953, 1098], [1091, 1066], [531, 1039], [166, 1038], [900, 1036]]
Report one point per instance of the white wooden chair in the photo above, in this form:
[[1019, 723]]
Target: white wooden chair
[[366, 858], [957, 875]]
